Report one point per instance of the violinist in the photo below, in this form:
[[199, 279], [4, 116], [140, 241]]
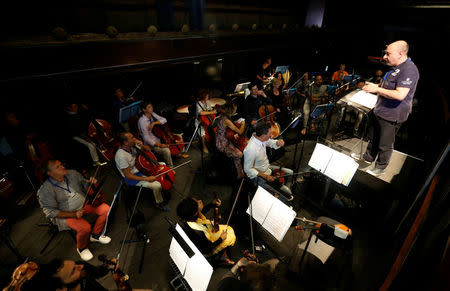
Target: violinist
[[253, 102], [256, 163], [125, 161], [62, 199], [145, 124], [204, 108], [223, 144], [200, 229], [78, 125]]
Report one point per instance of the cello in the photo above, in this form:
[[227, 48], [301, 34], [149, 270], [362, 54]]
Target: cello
[[101, 132], [175, 142], [266, 113], [206, 120], [148, 165], [239, 141]]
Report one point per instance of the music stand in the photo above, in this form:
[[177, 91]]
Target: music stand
[[241, 87], [126, 112]]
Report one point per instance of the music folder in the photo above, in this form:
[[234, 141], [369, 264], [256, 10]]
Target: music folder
[[129, 111], [241, 87], [195, 269], [333, 164], [273, 215]]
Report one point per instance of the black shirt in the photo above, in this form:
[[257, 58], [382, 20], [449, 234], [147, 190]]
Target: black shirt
[[252, 105]]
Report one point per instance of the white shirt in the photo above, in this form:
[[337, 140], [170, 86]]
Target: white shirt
[[147, 135], [255, 157], [126, 159]]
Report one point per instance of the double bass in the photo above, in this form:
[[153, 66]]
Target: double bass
[[148, 165]]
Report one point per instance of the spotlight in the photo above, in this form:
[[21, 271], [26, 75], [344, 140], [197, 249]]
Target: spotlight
[[112, 31], [270, 27], [185, 28], [212, 28], [235, 27], [254, 27], [284, 27], [152, 30], [60, 33]]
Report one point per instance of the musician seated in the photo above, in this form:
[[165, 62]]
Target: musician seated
[[146, 123], [317, 94], [256, 163], [200, 229], [204, 108], [125, 158], [338, 76], [253, 102], [279, 76], [223, 144], [62, 199], [78, 124]]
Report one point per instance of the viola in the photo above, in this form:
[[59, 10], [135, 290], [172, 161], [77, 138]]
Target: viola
[[21, 274], [175, 142], [119, 277], [148, 165], [101, 132], [266, 113], [239, 141]]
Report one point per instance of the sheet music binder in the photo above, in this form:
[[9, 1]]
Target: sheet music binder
[[321, 109], [129, 111], [273, 215]]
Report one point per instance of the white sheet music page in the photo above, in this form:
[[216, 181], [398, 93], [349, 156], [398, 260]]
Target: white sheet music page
[[365, 99], [341, 168], [320, 250], [261, 203], [279, 219], [198, 273], [320, 157], [178, 255]]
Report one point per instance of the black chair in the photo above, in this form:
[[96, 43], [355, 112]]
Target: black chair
[[53, 229]]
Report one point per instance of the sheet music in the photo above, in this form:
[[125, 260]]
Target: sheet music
[[341, 168], [198, 273], [320, 250], [261, 203], [320, 157], [365, 99], [279, 219], [187, 239], [178, 255]]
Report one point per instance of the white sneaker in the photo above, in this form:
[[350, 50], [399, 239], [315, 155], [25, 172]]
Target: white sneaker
[[359, 158], [103, 239], [85, 255]]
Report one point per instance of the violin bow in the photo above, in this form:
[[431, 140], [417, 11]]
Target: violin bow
[[176, 167], [266, 116], [235, 201], [139, 85]]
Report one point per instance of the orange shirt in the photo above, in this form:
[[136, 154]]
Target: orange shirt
[[338, 78]]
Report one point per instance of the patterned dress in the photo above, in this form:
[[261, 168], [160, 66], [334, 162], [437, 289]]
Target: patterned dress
[[225, 146]]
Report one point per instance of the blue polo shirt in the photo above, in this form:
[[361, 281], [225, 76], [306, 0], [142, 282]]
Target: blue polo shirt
[[405, 75]]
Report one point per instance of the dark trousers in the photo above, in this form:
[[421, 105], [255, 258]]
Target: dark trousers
[[381, 135]]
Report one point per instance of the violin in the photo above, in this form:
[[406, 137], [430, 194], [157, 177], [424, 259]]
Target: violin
[[148, 165], [119, 277], [22, 274], [266, 113], [175, 142], [101, 132]]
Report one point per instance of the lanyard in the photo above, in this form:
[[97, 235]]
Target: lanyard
[[67, 184]]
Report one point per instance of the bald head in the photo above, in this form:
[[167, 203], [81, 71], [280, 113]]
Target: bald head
[[396, 53], [401, 46]]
